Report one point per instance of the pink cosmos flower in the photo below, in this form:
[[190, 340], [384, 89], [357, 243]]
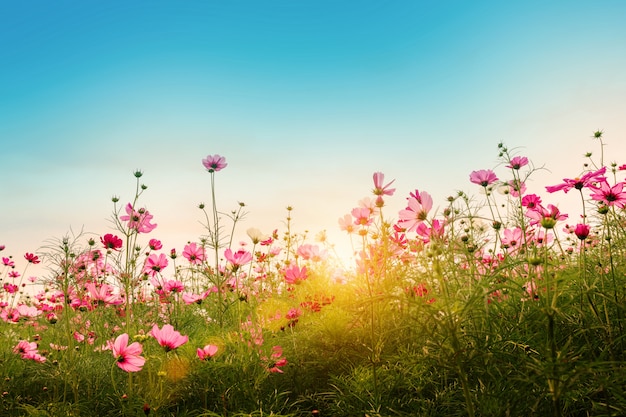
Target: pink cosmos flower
[[278, 361], [311, 252], [8, 262], [194, 254], [362, 216], [590, 179], [346, 224], [33, 259], [531, 201], [155, 244], [611, 196], [419, 204], [154, 264], [127, 356], [511, 239], [379, 189], [239, 258], [546, 217], [517, 162], [138, 220], [483, 177], [214, 163], [103, 294], [167, 337], [207, 352], [582, 231], [110, 241], [294, 274]]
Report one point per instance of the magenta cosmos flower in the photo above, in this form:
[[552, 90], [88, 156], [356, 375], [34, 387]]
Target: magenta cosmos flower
[[517, 162], [214, 163], [484, 177], [167, 337], [611, 196], [138, 219], [110, 241], [154, 264], [194, 254], [127, 356], [588, 180]]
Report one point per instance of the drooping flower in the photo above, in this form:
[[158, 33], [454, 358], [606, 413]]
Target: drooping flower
[[194, 254], [379, 188], [138, 219], [110, 241], [483, 177], [256, 235], [167, 337], [590, 179], [207, 352], [610, 195], [154, 264], [214, 163], [127, 356]]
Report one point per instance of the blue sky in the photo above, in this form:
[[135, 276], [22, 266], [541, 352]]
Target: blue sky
[[305, 99]]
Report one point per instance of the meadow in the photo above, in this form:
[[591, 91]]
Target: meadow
[[497, 304]]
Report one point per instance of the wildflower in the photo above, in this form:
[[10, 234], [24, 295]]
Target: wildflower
[[362, 216], [256, 235], [103, 294], [110, 241], [207, 352], [214, 163], [194, 254], [416, 212], [546, 217], [311, 252], [8, 262], [155, 244], [167, 337], [237, 259], [294, 274], [379, 189], [127, 356], [28, 350], [154, 264], [33, 259], [484, 177], [582, 231], [517, 162], [511, 239], [611, 196], [531, 201], [590, 179], [138, 220], [274, 367]]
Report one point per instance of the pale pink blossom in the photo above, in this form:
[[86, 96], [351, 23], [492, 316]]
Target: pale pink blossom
[[127, 356], [167, 337]]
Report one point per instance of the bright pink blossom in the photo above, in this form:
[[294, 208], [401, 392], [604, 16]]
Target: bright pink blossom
[[517, 162], [33, 259], [155, 244], [239, 258], [110, 241], [127, 356], [138, 219], [194, 254], [590, 179], [167, 337], [214, 163], [154, 264], [294, 274], [582, 231], [546, 217], [483, 177], [207, 352], [610, 195]]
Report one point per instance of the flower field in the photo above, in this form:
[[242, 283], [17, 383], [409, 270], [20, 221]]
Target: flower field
[[496, 304]]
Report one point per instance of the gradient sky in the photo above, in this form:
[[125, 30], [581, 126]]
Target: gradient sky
[[305, 99]]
